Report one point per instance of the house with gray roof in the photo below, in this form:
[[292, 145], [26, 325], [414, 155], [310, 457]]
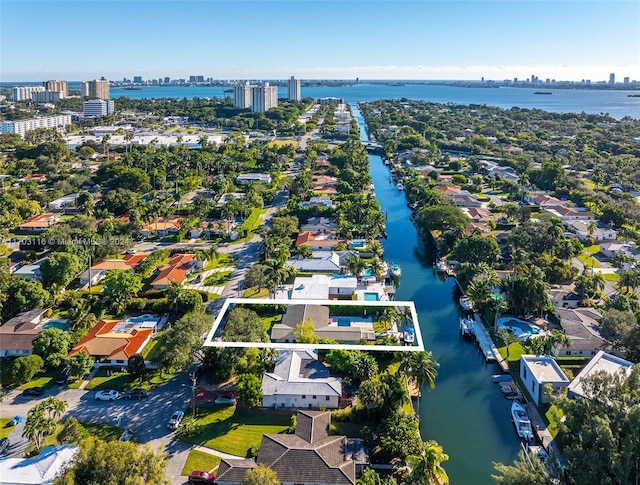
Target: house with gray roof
[[341, 329], [320, 262], [17, 333], [300, 380], [311, 456], [582, 327], [319, 224]]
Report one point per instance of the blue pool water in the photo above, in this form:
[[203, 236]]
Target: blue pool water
[[358, 244], [371, 297], [368, 272], [142, 318], [59, 324], [346, 321], [519, 327]]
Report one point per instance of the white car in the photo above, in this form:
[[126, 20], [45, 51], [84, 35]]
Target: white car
[[174, 422], [110, 395]]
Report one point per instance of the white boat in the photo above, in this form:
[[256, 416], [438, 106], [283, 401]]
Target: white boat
[[466, 327], [400, 186], [501, 378], [521, 421], [395, 269], [466, 303], [441, 266]]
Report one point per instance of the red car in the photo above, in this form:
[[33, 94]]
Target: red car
[[201, 477]]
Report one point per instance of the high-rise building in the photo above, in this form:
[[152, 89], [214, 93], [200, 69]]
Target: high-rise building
[[46, 96], [625, 80], [98, 107], [612, 79], [263, 97], [196, 79], [242, 95], [293, 89], [98, 88], [137, 79], [167, 80], [25, 93], [60, 86]]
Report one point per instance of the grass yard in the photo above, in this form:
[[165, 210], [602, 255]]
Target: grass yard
[[4, 429], [222, 261], [613, 277], [105, 432], [236, 430], [42, 379], [200, 460], [252, 293], [279, 143], [220, 278], [123, 381], [551, 415], [588, 260], [268, 322]]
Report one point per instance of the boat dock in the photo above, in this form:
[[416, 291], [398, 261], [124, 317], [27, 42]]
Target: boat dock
[[473, 326]]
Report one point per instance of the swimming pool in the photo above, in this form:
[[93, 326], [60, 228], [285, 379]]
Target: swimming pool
[[521, 328], [353, 321], [143, 318], [56, 323], [358, 244], [368, 272], [371, 297]]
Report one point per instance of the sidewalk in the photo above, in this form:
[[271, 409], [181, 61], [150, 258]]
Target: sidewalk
[[91, 375]]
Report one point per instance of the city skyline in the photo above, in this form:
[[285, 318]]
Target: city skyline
[[439, 40]]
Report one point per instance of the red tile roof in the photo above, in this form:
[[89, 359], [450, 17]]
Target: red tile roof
[[176, 270], [100, 342]]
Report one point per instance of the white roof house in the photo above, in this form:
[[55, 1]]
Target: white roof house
[[321, 262], [536, 371], [601, 362], [66, 201], [263, 178], [314, 287], [40, 470], [300, 380]]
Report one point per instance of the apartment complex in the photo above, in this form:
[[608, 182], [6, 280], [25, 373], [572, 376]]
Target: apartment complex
[[23, 126], [98, 107], [98, 88], [293, 89], [25, 93], [46, 96], [61, 87], [258, 98]]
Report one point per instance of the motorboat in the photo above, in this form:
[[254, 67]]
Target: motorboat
[[466, 303], [441, 266], [400, 186], [501, 378], [466, 327], [395, 269], [521, 421], [409, 335]]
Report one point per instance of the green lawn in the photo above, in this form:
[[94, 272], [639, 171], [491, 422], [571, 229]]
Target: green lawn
[[588, 261], [236, 430], [268, 322], [4, 429], [151, 349], [613, 277], [200, 460], [218, 279], [222, 261], [123, 381], [106, 432], [551, 415], [252, 293], [42, 379]]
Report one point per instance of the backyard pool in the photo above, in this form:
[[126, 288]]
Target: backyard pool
[[56, 323], [368, 272], [358, 244], [519, 327], [143, 318], [352, 321], [368, 296]]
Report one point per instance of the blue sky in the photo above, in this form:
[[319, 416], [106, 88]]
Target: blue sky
[[447, 39]]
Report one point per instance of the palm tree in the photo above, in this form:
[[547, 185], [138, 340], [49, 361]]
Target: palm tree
[[55, 407], [499, 305], [556, 229], [421, 369], [174, 291], [558, 339], [508, 337], [478, 292], [356, 265], [426, 467], [279, 272]]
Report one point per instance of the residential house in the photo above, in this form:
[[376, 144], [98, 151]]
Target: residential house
[[40, 223], [584, 230], [42, 469], [564, 298], [321, 202], [228, 197], [180, 265], [582, 327], [17, 333], [59, 205], [213, 227], [324, 184], [476, 214], [321, 262], [99, 270], [613, 248], [314, 287], [601, 362], [464, 200], [318, 241], [567, 214], [319, 225], [162, 227], [30, 271], [262, 178], [544, 200], [300, 380], [311, 456], [536, 371], [114, 340], [344, 330], [342, 286]]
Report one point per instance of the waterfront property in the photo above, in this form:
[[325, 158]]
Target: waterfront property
[[601, 362], [519, 327], [536, 371]]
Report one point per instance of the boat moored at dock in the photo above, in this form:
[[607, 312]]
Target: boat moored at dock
[[521, 421]]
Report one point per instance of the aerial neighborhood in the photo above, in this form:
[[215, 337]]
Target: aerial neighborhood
[[202, 290]]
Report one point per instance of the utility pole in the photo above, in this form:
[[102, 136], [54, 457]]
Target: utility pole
[[193, 377]]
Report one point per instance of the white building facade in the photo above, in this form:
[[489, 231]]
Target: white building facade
[[263, 97], [242, 96], [98, 107], [25, 93], [293, 89], [23, 126]]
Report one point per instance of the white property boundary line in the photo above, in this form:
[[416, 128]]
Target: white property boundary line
[[211, 342]]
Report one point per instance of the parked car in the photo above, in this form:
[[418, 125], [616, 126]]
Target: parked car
[[33, 391], [4, 444], [226, 400], [63, 377], [201, 477], [135, 394], [174, 422], [131, 251], [109, 395], [15, 421]]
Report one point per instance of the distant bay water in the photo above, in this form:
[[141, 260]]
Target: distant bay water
[[616, 103]]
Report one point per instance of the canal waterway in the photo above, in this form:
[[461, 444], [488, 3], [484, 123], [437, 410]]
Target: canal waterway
[[466, 412]]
